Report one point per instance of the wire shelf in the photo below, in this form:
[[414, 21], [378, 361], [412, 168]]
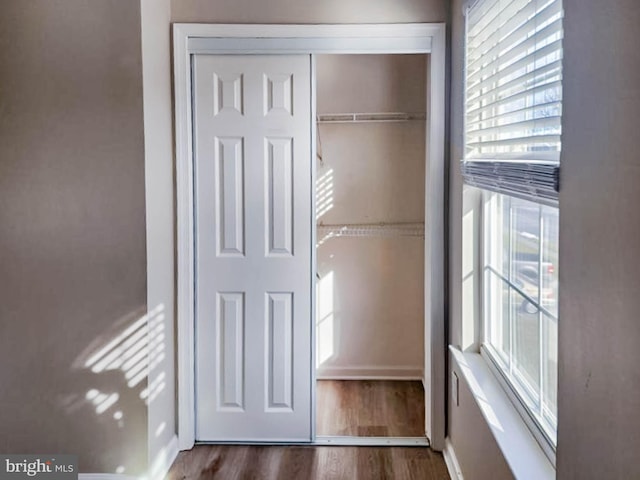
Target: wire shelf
[[326, 232], [370, 117]]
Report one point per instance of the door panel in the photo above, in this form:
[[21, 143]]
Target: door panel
[[230, 333], [229, 173], [279, 359], [252, 126], [279, 196]]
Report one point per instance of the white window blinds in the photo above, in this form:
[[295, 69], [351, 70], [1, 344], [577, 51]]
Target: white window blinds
[[513, 97]]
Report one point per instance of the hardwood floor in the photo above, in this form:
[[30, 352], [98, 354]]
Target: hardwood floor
[[345, 407], [308, 463], [368, 408]]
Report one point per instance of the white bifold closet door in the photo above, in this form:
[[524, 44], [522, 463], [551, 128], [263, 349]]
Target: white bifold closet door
[[252, 125]]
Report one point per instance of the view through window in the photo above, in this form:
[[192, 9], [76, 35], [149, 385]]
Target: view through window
[[521, 299]]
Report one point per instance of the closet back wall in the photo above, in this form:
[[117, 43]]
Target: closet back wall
[[371, 289]]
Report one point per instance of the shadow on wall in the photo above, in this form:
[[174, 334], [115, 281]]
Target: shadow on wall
[[324, 196], [117, 388]]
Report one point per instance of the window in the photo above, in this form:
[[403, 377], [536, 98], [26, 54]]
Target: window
[[521, 300], [513, 108]]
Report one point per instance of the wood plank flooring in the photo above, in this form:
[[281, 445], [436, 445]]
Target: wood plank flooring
[[308, 463], [345, 407], [367, 408]]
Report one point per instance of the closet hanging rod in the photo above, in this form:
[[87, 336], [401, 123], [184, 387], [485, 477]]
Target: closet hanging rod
[[370, 230], [370, 117]]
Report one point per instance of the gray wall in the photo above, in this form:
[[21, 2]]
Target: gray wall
[[599, 378], [599, 337], [72, 219], [308, 11]]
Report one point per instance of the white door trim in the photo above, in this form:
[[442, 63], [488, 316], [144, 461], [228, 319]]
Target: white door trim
[[428, 38]]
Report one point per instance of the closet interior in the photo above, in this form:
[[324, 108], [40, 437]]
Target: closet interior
[[370, 210]]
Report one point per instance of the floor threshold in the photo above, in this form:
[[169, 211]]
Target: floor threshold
[[371, 441], [335, 441]]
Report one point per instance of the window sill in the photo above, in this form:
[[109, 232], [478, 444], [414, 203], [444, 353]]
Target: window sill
[[521, 451]]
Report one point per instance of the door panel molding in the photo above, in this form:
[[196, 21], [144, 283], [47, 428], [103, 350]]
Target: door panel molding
[[230, 335], [279, 352], [425, 38], [229, 172], [280, 196]]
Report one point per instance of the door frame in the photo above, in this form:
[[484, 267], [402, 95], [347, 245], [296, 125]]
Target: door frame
[[417, 38]]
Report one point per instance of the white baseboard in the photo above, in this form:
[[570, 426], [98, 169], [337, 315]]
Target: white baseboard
[[452, 461], [158, 470], [164, 459], [369, 373]]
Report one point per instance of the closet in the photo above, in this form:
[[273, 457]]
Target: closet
[[370, 210]]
